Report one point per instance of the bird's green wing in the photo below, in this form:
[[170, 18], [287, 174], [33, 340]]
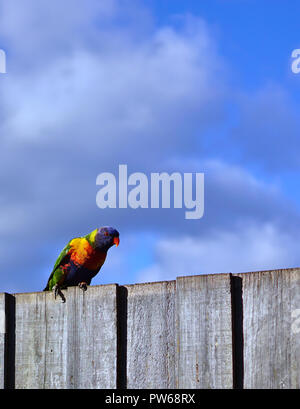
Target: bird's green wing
[[57, 272], [63, 254]]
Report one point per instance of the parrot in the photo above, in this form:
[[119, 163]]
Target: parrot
[[81, 259]]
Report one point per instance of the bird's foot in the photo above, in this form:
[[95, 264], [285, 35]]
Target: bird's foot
[[83, 285], [57, 291]]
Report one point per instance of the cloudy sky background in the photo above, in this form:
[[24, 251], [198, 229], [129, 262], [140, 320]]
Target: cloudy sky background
[[160, 86]]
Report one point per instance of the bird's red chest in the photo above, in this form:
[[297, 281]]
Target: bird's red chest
[[83, 254], [95, 261]]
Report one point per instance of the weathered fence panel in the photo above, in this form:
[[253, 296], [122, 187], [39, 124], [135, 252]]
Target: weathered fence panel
[[151, 335], [41, 335], [71, 345], [271, 307], [204, 331]]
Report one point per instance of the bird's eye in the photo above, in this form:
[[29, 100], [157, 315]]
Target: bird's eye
[[106, 233]]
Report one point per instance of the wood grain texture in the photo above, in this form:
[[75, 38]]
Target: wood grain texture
[[92, 337], [172, 334], [271, 308], [70, 345], [204, 332], [151, 335]]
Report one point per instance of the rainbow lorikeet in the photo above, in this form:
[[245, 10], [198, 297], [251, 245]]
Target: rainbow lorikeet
[[81, 260]]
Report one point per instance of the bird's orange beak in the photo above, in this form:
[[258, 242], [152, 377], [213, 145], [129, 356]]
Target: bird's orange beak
[[116, 241]]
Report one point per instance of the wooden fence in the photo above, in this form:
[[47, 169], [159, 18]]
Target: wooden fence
[[205, 331]]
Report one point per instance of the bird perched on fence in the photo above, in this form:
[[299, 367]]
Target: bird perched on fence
[[81, 260]]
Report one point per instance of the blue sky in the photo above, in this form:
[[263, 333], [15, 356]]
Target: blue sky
[[160, 85]]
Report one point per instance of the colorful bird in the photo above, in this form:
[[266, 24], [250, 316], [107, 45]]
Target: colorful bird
[[81, 260]]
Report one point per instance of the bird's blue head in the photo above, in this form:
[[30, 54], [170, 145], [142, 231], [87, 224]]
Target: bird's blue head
[[106, 237]]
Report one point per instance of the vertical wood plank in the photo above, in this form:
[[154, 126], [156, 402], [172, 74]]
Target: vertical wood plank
[[271, 305], [66, 345], [92, 337], [204, 332], [41, 333], [179, 334], [151, 335]]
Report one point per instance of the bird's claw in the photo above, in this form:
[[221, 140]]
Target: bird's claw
[[57, 291], [83, 286]]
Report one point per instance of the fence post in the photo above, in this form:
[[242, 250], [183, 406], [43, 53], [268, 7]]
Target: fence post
[[67, 345], [204, 332], [271, 309], [151, 335], [207, 331]]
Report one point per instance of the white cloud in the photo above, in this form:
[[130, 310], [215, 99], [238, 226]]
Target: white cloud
[[82, 95], [93, 85], [169, 78], [36, 30], [86, 111], [253, 247]]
